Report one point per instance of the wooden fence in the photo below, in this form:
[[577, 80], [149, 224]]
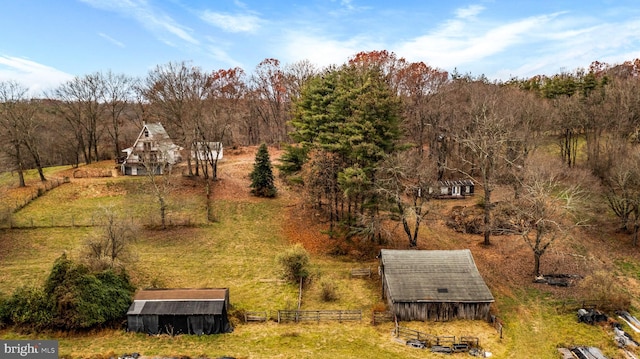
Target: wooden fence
[[255, 316], [318, 315], [360, 272], [382, 316], [497, 324], [461, 343]]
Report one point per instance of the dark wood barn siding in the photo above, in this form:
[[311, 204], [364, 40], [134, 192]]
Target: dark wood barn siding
[[441, 311]]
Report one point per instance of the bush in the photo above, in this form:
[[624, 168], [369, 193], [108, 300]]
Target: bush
[[28, 307], [328, 291], [83, 299], [72, 298], [295, 263]]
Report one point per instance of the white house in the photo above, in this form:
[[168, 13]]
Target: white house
[[153, 151], [207, 151]]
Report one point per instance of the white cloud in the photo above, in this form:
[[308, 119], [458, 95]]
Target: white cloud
[[323, 51], [469, 12], [458, 43], [111, 39], [154, 20], [232, 23], [37, 77]]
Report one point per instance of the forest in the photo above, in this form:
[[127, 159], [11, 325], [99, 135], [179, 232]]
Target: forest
[[365, 141]]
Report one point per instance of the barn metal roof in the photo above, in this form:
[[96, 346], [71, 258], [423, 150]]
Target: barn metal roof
[[179, 301], [188, 293], [433, 276], [176, 307]]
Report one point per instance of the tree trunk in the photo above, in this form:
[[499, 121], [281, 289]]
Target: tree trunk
[[536, 263], [163, 213], [487, 216], [20, 166]]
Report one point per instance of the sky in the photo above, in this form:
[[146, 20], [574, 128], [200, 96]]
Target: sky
[[45, 43]]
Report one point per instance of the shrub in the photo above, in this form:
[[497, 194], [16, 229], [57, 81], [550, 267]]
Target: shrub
[[29, 308], [72, 298], [295, 263], [604, 288], [328, 291], [83, 299]]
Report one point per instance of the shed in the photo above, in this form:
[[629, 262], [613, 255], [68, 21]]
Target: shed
[[180, 311], [437, 285], [453, 189]]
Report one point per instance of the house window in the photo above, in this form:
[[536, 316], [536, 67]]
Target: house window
[[147, 146], [146, 132], [443, 290]]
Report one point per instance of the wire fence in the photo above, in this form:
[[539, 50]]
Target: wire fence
[[8, 221], [16, 204]]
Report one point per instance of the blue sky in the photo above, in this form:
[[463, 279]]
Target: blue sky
[[46, 42]]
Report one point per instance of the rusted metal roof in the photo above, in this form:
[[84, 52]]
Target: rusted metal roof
[[433, 276]]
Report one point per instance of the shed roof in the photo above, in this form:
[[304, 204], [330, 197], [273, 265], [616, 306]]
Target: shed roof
[[176, 307], [433, 276], [186, 294], [206, 301]]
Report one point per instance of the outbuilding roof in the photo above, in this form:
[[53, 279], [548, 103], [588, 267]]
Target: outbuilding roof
[[433, 276], [207, 301]]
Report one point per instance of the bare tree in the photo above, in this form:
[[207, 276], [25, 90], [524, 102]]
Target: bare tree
[[112, 241], [158, 169], [175, 93], [118, 96], [548, 208], [270, 101], [404, 179], [622, 192], [483, 139], [19, 125], [81, 103]]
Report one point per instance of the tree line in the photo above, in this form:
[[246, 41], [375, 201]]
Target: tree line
[[365, 140]]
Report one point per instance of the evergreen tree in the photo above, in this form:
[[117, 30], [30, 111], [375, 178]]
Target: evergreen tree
[[262, 183]]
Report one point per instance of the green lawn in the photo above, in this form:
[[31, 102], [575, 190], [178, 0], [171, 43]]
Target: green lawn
[[240, 252]]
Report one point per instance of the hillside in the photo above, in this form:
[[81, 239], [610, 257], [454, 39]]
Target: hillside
[[239, 250]]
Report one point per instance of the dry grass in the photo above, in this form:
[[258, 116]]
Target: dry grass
[[239, 252]]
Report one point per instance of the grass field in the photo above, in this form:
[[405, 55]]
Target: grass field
[[239, 251]]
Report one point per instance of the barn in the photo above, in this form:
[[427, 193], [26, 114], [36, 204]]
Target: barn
[[437, 285], [180, 311]]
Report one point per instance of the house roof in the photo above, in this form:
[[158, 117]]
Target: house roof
[[179, 301], [462, 182], [433, 276]]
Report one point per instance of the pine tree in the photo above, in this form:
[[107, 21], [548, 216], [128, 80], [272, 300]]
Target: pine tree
[[262, 184]]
